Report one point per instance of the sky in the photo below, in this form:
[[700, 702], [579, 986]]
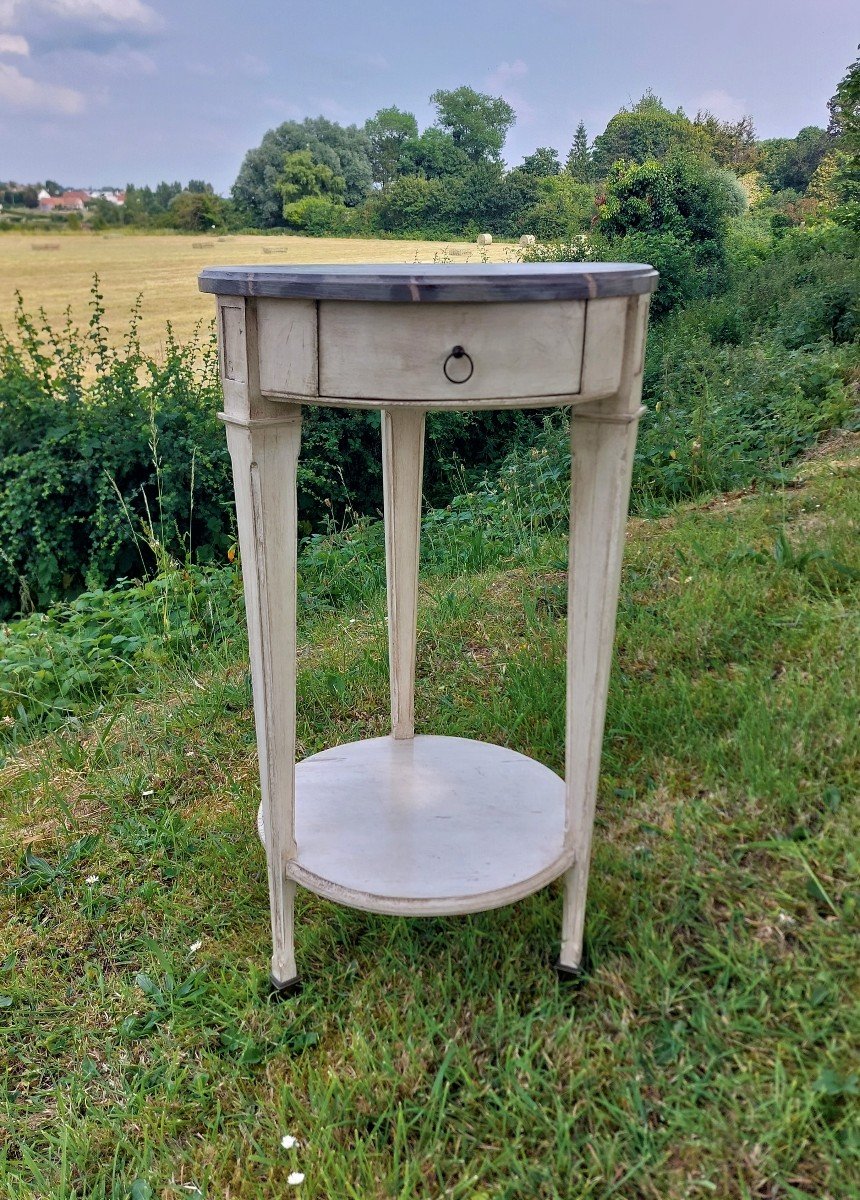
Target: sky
[[105, 92]]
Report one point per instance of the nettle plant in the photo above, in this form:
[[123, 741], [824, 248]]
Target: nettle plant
[[113, 464], [109, 458]]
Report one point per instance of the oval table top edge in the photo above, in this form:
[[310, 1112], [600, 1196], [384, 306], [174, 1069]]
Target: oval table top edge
[[438, 283]]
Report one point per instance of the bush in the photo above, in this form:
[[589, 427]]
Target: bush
[[111, 461], [679, 196], [414, 205], [682, 265], [85, 467], [738, 382], [565, 208], [318, 216]]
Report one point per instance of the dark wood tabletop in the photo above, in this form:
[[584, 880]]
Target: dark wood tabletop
[[439, 283]]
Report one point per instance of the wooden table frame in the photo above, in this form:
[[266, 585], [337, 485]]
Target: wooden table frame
[[264, 436]]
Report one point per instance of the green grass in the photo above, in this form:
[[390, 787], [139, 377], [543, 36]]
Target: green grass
[[712, 1051]]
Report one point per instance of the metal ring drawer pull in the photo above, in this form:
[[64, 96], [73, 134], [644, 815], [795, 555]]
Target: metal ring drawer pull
[[459, 352]]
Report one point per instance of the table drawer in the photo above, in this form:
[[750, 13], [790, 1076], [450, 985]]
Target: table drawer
[[403, 351]]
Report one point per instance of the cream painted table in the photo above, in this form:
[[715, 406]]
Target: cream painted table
[[424, 825]]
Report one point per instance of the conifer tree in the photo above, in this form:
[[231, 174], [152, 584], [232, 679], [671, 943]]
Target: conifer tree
[[579, 159]]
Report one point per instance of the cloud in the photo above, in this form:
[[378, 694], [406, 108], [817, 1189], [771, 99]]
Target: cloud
[[97, 14], [96, 25], [26, 95], [499, 79], [13, 43], [86, 64], [722, 105]]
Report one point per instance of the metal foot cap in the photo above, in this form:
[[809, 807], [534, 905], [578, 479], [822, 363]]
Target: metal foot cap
[[283, 990]]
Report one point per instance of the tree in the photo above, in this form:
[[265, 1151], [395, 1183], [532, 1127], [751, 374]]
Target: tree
[[302, 176], [144, 202], [164, 194], [53, 188], [791, 162], [578, 164], [478, 123], [433, 155], [388, 131], [844, 108], [344, 149], [412, 204], [199, 185], [732, 144], [563, 209], [844, 130], [103, 213], [673, 214], [679, 196], [542, 162], [484, 200], [196, 211], [647, 130]]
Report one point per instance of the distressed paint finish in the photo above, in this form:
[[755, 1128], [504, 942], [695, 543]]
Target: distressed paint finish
[[400, 351], [440, 283], [402, 473], [389, 798], [263, 438], [603, 437]]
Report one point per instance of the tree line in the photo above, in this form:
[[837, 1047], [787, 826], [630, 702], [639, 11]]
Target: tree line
[[449, 180]]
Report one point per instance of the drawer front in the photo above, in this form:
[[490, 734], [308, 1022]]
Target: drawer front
[[402, 351]]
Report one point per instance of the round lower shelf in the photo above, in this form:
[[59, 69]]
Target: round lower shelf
[[428, 826]]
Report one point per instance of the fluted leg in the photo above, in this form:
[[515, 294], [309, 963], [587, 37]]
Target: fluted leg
[[603, 437], [402, 468], [265, 453]]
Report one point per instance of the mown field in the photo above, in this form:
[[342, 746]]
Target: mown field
[[56, 271]]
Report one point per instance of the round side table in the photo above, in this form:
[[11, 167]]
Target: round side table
[[423, 824]]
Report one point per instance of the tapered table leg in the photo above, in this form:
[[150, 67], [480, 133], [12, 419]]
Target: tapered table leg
[[264, 454], [603, 437], [402, 469]]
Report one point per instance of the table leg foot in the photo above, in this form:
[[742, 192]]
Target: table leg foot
[[283, 989], [574, 974], [571, 975]]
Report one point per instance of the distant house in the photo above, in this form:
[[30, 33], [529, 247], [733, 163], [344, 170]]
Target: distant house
[[70, 201], [76, 199], [109, 194]]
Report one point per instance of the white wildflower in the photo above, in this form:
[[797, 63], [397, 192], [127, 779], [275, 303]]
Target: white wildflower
[[151, 792], [91, 879], [295, 1177], [288, 1141], [194, 947]]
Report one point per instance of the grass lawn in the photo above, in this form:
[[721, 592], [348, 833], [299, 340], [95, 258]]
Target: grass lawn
[[57, 270], [711, 1053]]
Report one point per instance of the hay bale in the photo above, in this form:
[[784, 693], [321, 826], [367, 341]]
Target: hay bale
[[485, 239], [528, 239]]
